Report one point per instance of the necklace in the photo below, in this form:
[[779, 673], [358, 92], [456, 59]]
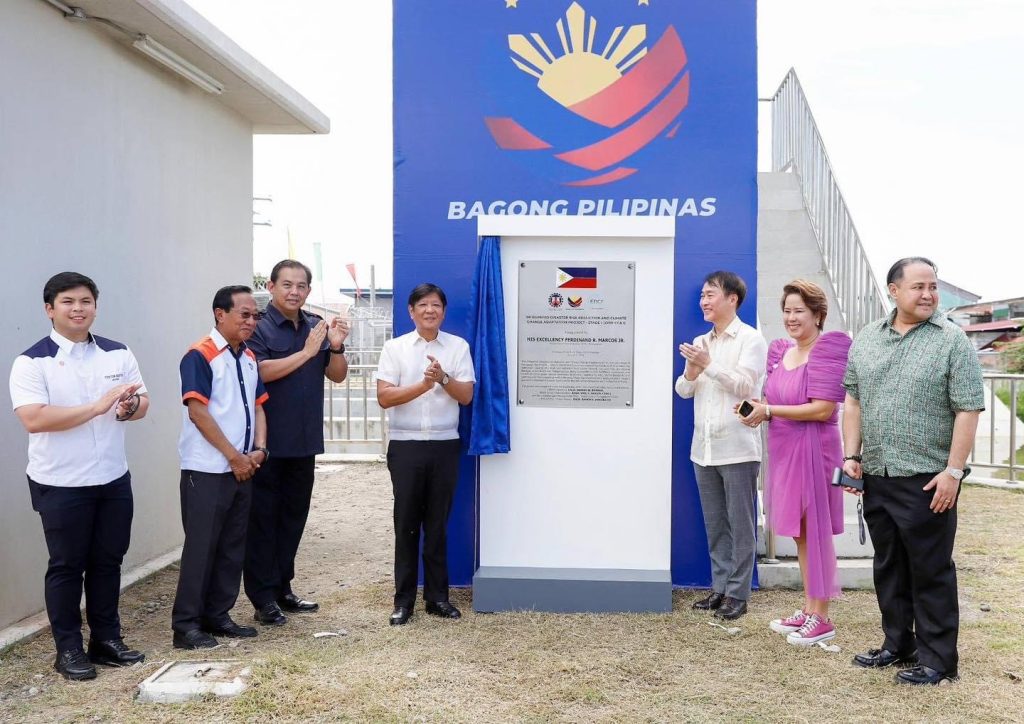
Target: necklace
[[809, 344]]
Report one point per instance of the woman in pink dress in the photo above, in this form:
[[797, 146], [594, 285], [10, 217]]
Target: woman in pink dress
[[801, 396]]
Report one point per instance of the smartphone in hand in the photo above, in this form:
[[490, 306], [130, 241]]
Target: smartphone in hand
[[745, 408], [841, 479]]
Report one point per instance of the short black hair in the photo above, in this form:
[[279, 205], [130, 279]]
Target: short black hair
[[67, 280], [730, 283], [896, 270], [425, 290], [290, 264], [225, 297]]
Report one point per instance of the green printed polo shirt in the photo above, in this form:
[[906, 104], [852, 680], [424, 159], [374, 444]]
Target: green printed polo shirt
[[910, 388]]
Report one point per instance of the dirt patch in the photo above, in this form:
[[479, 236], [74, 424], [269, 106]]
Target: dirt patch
[[532, 666]]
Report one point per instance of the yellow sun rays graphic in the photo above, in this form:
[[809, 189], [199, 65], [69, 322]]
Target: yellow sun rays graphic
[[578, 72]]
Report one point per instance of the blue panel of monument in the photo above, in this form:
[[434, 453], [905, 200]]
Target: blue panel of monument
[[577, 107]]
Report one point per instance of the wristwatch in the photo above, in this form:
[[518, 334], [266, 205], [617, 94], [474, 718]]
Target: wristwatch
[[338, 351], [445, 380], [956, 473], [266, 453]]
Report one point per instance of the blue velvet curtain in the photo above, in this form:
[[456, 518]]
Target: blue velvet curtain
[[485, 424]]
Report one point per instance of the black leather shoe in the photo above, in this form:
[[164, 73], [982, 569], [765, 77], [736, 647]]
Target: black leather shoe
[[194, 639], [442, 609], [293, 604], [114, 653], [75, 665], [710, 603], [400, 616], [269, 614], [731, 609], [880, 658], [229, 629], [922, 675]]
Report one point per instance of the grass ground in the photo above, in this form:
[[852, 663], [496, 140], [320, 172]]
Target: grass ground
[[542, 667]]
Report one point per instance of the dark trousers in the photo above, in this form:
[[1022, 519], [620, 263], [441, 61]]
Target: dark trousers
[[915, 578], [214, 514], [87, 531], [281, 491], [423, 475]]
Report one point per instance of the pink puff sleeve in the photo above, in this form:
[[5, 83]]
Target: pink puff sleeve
[[826, 366], [776, 350]]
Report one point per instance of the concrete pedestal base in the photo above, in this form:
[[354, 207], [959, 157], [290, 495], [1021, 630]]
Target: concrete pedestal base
[[571, 590]]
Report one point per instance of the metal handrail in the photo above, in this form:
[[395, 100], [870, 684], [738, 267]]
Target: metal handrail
[[1005, 441], [797, 147]]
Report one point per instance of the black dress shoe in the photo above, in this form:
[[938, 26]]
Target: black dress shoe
[[710, 603], [194, 639], [114, 653], [293, 604], [880, 658], [269, 614], [400, 616], [921, 675], [75, 665], [442, 609], [731, 609], [229, 629]]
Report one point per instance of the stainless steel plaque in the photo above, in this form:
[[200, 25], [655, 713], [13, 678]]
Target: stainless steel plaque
[[576, 334]]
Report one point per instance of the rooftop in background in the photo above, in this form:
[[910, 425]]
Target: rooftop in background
[[952, 296], [250, 88], [994, 310]]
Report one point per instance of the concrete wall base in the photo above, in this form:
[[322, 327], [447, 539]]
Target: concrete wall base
[[571, 590]]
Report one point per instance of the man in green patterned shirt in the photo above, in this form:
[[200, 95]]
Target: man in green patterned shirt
[[914, 395]]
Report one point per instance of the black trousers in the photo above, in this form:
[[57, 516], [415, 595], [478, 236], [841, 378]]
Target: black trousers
[[87, 532], [915, 578], [215, 514], [281, 491], [423, 475]]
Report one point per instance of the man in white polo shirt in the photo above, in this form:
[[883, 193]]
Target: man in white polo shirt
[[724, 367], [73, 391], [222, 444], [422, 379]]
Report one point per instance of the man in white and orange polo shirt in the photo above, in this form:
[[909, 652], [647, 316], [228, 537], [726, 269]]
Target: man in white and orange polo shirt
[[222, 444]]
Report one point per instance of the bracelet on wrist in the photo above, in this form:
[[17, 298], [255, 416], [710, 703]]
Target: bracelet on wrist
[[855, 458], [136, 402], [340, 350]]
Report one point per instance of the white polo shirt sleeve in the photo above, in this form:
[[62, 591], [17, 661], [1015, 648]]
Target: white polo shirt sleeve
[[463, 369], [389, 368], [132, 375], [27, 383]]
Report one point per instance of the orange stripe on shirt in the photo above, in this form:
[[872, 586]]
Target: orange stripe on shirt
[[262, 398], [206, 347], [195, 396]]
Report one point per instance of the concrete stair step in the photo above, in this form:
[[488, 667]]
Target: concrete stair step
[[855, 574]]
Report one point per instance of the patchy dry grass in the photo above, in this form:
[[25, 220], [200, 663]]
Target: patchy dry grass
[[541, 667]]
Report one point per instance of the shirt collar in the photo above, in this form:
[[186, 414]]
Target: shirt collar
[[280, 320], [937, 318], [419, 339], [732, 330], [218, 339], [66, 344]]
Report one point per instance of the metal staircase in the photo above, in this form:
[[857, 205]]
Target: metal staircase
[[805, 231], [797, 148]]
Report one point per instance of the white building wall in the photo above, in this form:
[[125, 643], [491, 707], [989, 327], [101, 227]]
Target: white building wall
[[119, 169]]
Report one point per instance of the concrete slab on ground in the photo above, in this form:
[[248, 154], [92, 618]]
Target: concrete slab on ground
[[179, 681]]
